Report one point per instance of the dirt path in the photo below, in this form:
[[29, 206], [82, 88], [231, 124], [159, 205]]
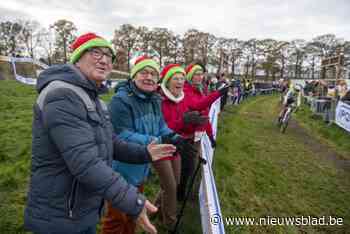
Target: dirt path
[[320, 149]]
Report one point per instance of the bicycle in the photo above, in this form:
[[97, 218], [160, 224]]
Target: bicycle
[[284, 120]]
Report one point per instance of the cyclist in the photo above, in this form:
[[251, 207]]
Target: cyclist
[[293, 94]]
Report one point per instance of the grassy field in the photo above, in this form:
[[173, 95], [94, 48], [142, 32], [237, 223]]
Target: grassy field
[[331, 135], [259, 172], [16, 102]]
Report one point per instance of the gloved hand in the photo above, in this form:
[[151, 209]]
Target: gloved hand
[[223, 90], [185, 148], [212, 141], [194, 117], [171, 138]]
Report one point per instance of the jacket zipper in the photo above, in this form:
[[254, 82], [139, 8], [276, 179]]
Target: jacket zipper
[[72, 198]]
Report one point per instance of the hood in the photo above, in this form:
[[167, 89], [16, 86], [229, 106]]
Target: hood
[[128, 87], [70, 74]]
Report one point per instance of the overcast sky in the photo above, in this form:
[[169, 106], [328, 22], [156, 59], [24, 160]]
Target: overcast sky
[[244, 19]]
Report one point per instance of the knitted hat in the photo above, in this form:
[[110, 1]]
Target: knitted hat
[[170, 70], [191, 69], [87, 41], [143, 62]]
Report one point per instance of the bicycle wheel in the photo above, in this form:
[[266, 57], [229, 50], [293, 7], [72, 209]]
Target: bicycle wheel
[[285, 122], [279, 122]]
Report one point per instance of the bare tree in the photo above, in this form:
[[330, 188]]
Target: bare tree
[[161, 42], [47, 45], [176, 49], [11, 42], [190, 45], [125, 39], [31, 36], [65, 35]]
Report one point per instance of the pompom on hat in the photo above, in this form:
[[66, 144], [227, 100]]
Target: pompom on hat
[[191, 70], [87, 41], [170, 70], [143, 62]]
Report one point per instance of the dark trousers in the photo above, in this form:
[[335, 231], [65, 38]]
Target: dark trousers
[[188, 165]]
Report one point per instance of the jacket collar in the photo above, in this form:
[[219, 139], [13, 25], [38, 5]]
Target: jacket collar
[[170, 96]]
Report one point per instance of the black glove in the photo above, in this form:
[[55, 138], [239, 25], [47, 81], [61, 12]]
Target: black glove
[[185, 148], [223, 90], [171, 138], [194, 117], [212, 142]]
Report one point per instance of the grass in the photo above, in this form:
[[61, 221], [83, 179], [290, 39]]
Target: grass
[[16, 101], [259, 172], [333, 135], [15, 149]]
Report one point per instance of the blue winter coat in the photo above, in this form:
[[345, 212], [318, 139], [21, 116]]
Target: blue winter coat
[[136, 117]]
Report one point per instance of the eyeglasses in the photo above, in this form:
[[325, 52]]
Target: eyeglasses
[[146, 73], [98, 54], [181, 78]]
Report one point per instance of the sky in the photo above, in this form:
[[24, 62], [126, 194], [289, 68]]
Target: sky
[[245, 19]]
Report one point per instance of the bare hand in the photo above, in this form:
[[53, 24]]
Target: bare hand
[[143, 220], [159, 151]]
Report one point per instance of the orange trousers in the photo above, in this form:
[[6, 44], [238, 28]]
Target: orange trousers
[[117, 222]]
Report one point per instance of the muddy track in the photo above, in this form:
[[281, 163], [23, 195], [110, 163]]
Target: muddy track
[[320, 149]]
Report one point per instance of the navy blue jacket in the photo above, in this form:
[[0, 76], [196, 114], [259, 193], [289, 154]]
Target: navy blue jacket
[[72, 152]]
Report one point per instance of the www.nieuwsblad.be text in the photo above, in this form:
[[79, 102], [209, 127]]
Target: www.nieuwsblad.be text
[[277, 221]]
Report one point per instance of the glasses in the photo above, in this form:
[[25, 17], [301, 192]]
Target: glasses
[[146, 73], [98, 54], [181, 78]]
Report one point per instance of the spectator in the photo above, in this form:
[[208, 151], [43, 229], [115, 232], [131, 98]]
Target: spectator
[[136, 117], [221, 83], [212, 84], [182, 115], [195, 91], [73, 147]]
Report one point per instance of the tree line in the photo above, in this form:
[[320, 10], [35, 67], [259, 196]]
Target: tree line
[[274, 58]]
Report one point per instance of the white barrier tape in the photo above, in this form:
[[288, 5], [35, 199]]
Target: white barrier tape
[[29, 81], [208, 197], [22, 79]]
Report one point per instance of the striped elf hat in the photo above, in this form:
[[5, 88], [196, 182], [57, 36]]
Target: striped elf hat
[[170, 70], [191, 69], [143, 62], [87, 41]]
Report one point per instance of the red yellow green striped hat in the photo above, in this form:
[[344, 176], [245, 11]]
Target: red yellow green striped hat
[[87, 41], [170, 70], [141, 63], [191, 69]]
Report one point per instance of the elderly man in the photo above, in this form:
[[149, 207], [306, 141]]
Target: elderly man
[[73, 148], [137, 117]]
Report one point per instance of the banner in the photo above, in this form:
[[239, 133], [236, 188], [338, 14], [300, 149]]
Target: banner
[[209, 202], [342, 115]]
